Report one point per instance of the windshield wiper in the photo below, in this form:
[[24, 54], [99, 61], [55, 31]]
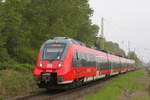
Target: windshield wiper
[[58, 54], [51, 60]]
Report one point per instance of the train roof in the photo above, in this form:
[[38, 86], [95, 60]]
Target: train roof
[[65, 40], [73, 41]]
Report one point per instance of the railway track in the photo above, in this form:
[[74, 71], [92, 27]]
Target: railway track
[[73, 94], [62, 94]]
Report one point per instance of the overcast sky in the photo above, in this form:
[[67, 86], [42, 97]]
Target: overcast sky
[[125, 21]]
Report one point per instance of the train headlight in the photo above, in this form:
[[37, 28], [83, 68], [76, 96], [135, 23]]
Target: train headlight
[[60, 64], [40, 63]]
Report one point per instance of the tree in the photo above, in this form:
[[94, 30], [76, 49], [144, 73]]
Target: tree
[[4, 56], [132, 55], [26, 24], [109, 46]]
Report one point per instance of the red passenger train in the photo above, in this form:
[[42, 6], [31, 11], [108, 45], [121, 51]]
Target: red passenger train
[[62, 62]]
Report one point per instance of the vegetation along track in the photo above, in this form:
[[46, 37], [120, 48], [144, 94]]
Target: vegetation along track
[[148, 71], [64, 94]]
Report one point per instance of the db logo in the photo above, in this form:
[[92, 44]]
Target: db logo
[[49, 65]]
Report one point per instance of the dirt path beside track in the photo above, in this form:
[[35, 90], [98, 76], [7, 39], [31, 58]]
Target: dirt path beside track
[[139, 94]]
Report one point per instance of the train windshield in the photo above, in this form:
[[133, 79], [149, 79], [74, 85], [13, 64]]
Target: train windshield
[[53, 51]]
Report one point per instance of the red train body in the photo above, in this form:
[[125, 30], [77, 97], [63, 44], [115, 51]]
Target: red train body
[[64, 61]]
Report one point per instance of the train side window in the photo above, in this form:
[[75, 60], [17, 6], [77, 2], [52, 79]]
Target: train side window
[[116, 65], [75, 59], [106, 64], [85, 56], [88, 60], [125, 65], [111, 64], [77, 55], [93, 61], [82, 59]]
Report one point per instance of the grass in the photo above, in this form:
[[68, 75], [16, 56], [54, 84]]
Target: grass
[[141, 98], [123, 83], [16, 81]]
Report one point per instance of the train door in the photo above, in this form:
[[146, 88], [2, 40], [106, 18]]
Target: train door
[[75, 63], [120, 65], [97, 58], [77, 72], [109, 63]]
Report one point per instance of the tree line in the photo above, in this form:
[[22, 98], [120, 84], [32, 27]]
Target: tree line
[[26, 24]]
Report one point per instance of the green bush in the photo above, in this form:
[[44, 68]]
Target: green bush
[[4, 65], [21, 67], [25, 55], [16, 83], [4, 56]]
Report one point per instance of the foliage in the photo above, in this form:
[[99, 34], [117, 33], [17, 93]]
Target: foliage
[[14, 83], [132, 55], [114, 48], [21, 67], [109, 46], [27, 54], [26, 24], [100, 42]]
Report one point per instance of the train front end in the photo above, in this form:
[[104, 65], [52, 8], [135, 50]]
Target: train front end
[[51, 66]]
